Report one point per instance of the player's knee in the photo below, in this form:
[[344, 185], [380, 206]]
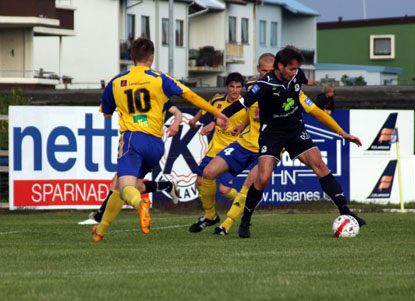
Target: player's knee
[[209, 173], [262, 181], [321, 169]]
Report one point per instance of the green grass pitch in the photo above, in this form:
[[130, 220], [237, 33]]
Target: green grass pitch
[[47, 256]]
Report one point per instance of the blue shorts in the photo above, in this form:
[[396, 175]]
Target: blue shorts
[[226, 179], [238, 158], [138, 153]]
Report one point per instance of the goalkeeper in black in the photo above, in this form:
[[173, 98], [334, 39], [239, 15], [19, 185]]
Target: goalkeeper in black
[[281, 115]]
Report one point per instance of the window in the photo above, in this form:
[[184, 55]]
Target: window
[[274, 33], [244, 31], [131, 27], [179, 32], [145, 27], [232, 29], [382, 47], [262, 32], [165, 31]]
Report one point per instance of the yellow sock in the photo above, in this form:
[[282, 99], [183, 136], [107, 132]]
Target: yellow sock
[[199, 189], [236, 210], [209, 197], [244, 190], [113, 208], [231, 195], [132, 196]]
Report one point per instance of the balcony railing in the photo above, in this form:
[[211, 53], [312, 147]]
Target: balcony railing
[[206, 59]]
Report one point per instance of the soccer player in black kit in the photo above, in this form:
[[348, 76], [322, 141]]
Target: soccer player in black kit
[[282, 127]]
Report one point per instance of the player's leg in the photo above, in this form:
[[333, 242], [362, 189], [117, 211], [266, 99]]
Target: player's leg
[[95, 218], [215, 168], [254, 196], [112, 210], [168, 186], [238, 204], [227, 192], [312, 158], [199, 173]]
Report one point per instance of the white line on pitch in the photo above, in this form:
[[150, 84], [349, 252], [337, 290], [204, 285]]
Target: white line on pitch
[[10, 232], [158, 228]]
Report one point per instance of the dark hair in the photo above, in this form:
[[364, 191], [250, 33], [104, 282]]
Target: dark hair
[[286, 55], [234, 77], [141, 49]]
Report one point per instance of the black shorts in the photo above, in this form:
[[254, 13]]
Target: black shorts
[[294, 141]]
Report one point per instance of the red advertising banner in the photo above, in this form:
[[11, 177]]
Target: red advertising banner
[[46, 193]]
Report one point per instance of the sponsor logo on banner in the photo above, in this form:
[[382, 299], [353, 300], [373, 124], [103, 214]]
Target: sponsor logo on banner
[[58, 161], [386, 135], [383, 187], [183, 152]]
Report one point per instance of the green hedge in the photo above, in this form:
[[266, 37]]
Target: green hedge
[[14, 98]]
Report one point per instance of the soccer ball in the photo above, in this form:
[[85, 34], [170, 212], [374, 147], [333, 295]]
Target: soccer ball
[[345, 226]]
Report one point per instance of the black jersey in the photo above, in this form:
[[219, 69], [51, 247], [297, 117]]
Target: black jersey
[[278, 101]]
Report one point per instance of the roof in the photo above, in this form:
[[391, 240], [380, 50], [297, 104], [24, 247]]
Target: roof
[[210, 4], [382, 69], [293, 6], [366, 23]]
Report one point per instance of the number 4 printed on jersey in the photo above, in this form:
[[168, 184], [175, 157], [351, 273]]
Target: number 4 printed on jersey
[[228, 151]]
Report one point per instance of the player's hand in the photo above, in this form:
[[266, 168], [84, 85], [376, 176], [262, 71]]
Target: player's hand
[[236, 130], [222, 121], [350, 138], [192, 123], [172, 131], [310, 82], [206, 130]]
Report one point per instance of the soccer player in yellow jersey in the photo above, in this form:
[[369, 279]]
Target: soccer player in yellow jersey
[[139, 95], [221, 139], [265, 65]]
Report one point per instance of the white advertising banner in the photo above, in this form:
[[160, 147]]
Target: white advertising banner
[[65, 157], [60, 157], [374, 166]]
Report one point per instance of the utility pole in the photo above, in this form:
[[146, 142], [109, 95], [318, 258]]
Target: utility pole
[[171, 38]]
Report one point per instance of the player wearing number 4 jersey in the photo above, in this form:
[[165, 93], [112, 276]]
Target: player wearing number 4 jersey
[[139, 95]]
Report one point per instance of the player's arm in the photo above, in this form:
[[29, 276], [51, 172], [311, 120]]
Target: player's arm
[[174, 128], [326, 119], [108, 106], [193, 98], [249, 98], [236, 130], [174, 87], [206, 130], [195, 119]]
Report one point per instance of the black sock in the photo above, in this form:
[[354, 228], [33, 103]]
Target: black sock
[[101, 210], [334, 190], [253, 198], [152, 186]]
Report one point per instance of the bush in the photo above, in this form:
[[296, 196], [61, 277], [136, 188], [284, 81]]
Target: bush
[[353, 81], [14, 98]]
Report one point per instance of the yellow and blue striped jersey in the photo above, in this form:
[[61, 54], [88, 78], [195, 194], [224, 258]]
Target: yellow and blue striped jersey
[[250, 136], [221, 138], [140, 95]]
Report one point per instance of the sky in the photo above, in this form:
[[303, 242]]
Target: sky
[[330, 10]]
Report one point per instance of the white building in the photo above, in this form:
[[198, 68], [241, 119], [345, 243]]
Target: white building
[[372, 75], [211, 38], [21, 23]]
